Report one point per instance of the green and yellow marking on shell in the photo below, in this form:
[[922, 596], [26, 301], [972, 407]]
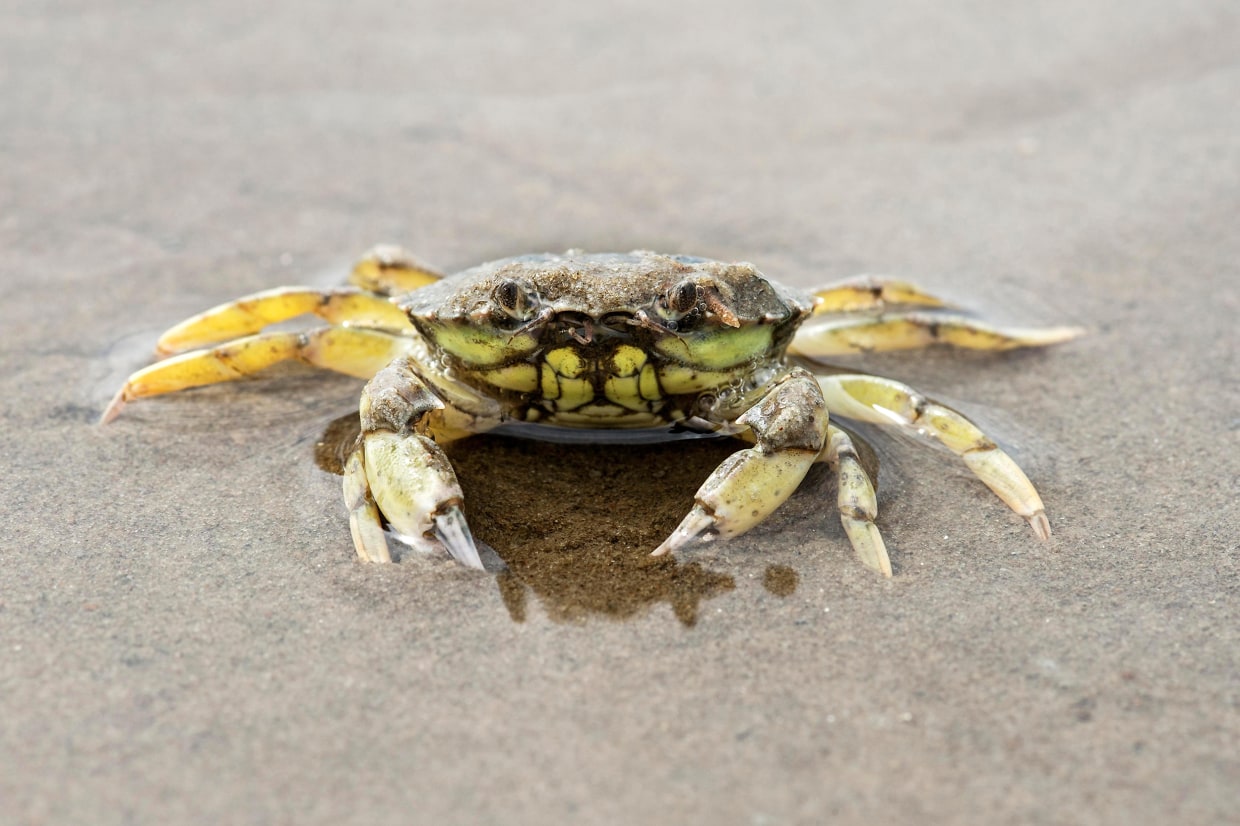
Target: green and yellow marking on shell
[[606, 336]]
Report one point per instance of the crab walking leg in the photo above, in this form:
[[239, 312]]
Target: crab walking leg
[[401, 471], [907, 331], [252, 313], [856, 500], [390, 270], [888, 402], [384, 271], [870, 293], [351, 350], [365, 523], [789, 425]]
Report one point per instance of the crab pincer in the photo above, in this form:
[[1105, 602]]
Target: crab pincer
[[403, 473], [789, 426]]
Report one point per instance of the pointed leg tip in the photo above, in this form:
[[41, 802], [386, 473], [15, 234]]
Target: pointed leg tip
[[1053, 335], [114, 407], [1041, 525], [881, 562], [868, 545], [370, 543], [374, 556], [453, 531]]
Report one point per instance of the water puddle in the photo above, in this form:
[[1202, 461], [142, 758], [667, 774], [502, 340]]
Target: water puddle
[[575, 523]]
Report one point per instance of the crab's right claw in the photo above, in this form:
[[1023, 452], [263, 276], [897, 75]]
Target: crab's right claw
[[412, 483]]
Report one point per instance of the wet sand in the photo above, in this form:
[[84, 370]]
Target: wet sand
[[187, 637]]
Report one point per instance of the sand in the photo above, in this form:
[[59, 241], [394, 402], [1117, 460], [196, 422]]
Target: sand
[[187, 637]]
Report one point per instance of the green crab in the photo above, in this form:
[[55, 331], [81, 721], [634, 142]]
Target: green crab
[[637, 341]]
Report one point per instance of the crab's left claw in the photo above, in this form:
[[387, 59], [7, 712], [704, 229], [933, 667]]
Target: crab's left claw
[[403, 474]]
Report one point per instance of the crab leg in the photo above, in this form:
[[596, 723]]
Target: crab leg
[[906, 331], [856, 500], [390, 270], [870, 293], [351, 350], [888, 402], [400, 471], [384, 271], [250, 314], [789, 425], [365, 522]]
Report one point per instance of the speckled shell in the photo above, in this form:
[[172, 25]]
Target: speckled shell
[[601, 283]]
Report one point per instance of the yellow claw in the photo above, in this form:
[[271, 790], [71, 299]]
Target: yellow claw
[[789, 425], [404, 471], [414, 486], [744, 490]]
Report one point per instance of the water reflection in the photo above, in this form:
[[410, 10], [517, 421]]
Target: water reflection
[[572, 590], [332, 448], [575, 524]]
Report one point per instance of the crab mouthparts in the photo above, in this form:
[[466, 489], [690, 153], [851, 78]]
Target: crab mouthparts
[[584, 329]]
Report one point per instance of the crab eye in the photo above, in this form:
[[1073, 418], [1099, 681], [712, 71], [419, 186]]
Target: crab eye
[[684, 297], [514, 300], [679, 301], [680, 308]]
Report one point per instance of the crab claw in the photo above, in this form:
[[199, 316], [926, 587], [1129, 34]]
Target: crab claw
[[453, 531], [695, 524], [414, 487]]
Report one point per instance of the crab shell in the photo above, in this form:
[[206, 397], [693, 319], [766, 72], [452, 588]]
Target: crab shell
[[598, 340]]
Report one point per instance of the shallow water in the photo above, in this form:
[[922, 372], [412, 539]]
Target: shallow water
[[581, 540]]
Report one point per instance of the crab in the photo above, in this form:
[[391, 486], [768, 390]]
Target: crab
[[640, 342]]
